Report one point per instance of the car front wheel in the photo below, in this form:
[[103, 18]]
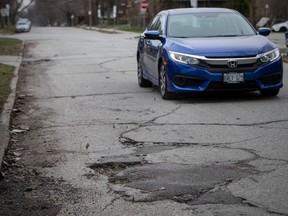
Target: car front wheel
[[141, 80], [269, 92], [165, 94]]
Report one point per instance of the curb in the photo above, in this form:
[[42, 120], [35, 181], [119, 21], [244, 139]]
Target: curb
[[103, 30], [5, 118]]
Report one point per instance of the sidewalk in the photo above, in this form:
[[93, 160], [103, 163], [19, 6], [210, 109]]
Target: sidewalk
[[8, 106]]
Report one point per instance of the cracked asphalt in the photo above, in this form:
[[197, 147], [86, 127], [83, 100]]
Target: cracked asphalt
[[97, 144]]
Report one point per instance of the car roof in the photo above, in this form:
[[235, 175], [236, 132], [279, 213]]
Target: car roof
[[199, 10]]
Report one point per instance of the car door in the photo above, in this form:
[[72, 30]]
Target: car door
[[152, 48]]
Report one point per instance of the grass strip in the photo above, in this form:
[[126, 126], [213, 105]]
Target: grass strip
[[10, 46], [6, 74]]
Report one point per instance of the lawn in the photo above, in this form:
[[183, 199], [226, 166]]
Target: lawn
[[10, 46], [6, 74], [7, 47]]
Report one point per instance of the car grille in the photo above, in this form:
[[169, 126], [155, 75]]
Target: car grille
[[220, 65]]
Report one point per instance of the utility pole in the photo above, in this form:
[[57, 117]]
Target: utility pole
[[90, 14], [266, 10], [8, 14]]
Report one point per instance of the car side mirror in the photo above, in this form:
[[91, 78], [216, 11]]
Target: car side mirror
[[264, 31], [152, 35]]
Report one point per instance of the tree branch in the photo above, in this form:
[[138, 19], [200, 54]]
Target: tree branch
[[27, 6]]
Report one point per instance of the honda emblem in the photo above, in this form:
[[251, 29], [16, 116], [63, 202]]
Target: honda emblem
[[232, 64]]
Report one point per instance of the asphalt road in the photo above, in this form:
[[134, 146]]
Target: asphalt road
[[123, 150]]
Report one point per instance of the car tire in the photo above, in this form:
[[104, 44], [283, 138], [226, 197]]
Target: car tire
[[270, 92], [141, 80], [165, 94], [283, 29]]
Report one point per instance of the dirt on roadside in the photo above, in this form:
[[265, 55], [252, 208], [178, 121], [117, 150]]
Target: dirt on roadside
[[24, 188]]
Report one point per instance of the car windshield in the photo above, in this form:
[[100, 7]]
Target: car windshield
[[208, 25]]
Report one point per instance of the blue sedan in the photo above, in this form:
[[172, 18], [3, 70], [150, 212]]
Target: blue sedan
[[207, 49]]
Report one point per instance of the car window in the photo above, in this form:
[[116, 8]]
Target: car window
[[153, 24], [160, 24], [208, 25]]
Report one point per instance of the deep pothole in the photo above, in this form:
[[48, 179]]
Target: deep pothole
[[139, 181], [184, 174], [183, 183]]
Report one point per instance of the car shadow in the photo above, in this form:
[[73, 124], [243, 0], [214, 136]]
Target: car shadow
[[222, 97], [218, 96]]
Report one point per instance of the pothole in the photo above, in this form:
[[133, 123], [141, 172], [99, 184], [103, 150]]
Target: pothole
[[189, 184], [180, 173], [111, 165]]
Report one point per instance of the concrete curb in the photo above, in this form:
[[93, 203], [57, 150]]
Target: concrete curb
[[5, 117], [104, 30]]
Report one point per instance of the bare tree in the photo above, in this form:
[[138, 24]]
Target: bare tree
[[154, 8], [25, 7], [57, 12], [15, 8], [167, 4], [276, 10], [251, 10]]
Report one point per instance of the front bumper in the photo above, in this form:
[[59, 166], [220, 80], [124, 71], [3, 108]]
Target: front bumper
[[187, 78], [22, 30]]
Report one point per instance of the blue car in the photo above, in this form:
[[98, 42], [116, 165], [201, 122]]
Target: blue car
[[207, 49]]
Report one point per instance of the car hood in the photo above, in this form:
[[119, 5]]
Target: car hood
[[221, 46]]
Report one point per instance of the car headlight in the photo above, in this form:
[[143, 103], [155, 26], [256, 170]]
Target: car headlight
[[184, 58], [270, 56]]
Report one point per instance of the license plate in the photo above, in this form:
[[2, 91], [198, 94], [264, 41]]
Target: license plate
[[233, 77]]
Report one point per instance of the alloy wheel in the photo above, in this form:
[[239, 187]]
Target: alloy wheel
[[165, 94], [141, 80]]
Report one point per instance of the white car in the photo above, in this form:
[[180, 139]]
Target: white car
[[23, 25], [280, 27]]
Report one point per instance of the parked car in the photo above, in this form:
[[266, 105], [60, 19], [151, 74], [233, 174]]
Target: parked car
[[23, 25], [280, 27], [207, 49]]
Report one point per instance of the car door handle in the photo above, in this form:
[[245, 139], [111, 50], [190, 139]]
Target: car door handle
[[148, 43]]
